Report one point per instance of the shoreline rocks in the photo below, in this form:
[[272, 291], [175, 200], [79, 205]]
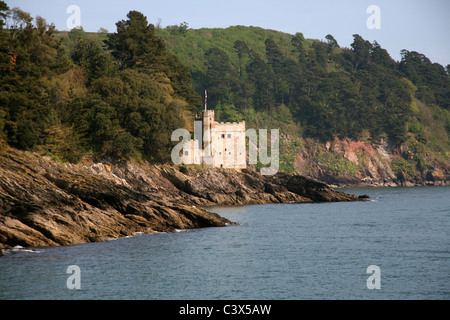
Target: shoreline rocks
[[371, 183], [47, 203]]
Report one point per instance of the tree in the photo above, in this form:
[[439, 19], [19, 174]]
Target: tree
[[277, 62], [241, 49], [135, 43], [3, 13], [396, 99], [30, 56], [381, 57], [77, 33], [226, 112], [261, 75], [361, 50], [298, 41], [275, 58], [321, 56], [89, 54], [219, 74], [431, 79], [20, 20], [183, 28], [332, 43], [293, 76]]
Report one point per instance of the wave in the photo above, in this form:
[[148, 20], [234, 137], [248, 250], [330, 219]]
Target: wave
[[19, 248]]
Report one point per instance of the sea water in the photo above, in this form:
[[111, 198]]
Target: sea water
[[278, 251]]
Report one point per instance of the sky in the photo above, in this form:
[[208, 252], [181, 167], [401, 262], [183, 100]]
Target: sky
[[415, 25]]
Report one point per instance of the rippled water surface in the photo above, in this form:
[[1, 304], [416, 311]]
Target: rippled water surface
[[279, 251]]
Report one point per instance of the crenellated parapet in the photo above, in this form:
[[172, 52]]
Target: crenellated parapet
[[220, 144]]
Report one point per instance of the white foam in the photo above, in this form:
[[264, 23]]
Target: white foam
[[19, 248]]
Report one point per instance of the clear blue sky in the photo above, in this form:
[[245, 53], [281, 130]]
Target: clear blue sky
[[415, 25]]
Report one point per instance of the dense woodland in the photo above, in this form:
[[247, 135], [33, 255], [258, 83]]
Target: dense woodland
[[122, 93], [328, 90], [121, 96]]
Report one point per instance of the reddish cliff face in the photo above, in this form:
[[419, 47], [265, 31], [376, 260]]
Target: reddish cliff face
[[350, 162], [373, 161]]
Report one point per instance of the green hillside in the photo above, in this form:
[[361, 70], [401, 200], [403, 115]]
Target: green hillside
[[309, 88], [121, 94], [191, 45]]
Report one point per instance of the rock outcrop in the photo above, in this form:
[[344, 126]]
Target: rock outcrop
[[46, 203], [346, 162]]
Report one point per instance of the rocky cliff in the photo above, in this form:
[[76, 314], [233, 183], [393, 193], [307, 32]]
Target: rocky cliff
[[346, 162], [46, 203]]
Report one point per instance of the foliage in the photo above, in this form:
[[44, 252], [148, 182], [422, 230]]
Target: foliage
[[401, 165], [122, 93], [68, 95], [336, 164], [61, 143], [319, 89], [330, 91], [288, 152]]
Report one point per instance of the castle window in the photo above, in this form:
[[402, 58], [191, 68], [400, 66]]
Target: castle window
[[229, 152], [223, 136], [186, 153], [229, 135]]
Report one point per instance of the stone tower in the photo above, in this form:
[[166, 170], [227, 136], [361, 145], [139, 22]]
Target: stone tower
[[219, 144], [207, 126]]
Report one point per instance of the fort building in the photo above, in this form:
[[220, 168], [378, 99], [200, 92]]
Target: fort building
[[218, 144]]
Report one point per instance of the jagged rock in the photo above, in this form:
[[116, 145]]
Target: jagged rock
[[46, 203], [316, 191]]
